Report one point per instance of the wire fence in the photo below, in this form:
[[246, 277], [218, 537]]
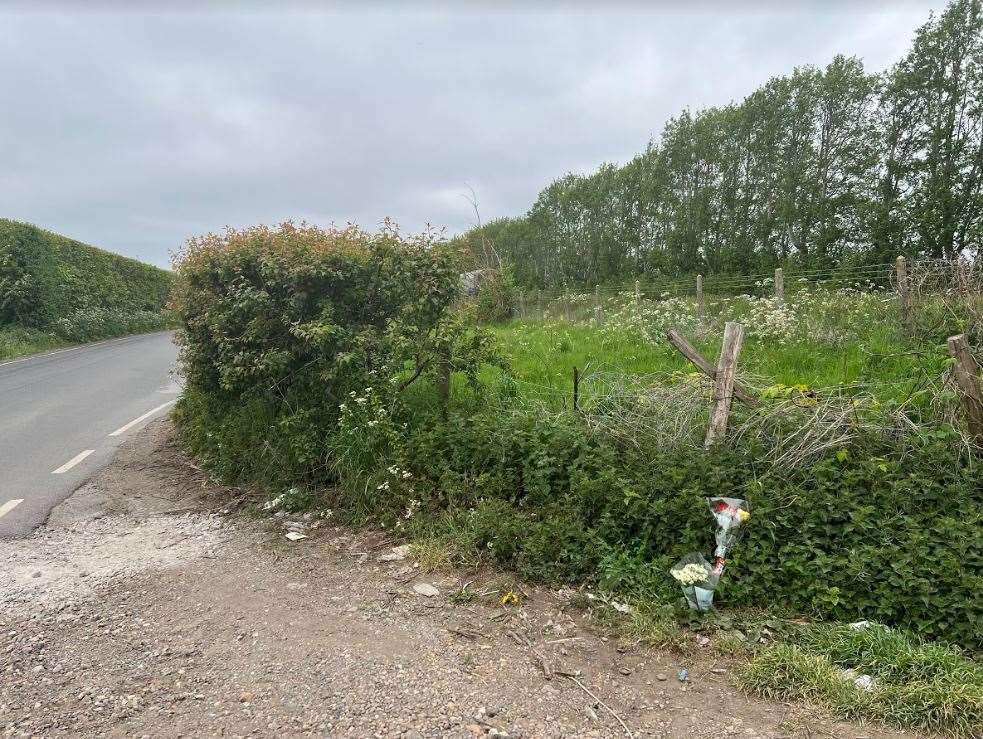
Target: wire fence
[[950, 287]]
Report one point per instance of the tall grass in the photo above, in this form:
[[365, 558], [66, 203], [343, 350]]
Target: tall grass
[[817, 339], [914, 685]]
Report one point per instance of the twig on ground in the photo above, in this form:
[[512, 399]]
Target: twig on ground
[[601, 703]]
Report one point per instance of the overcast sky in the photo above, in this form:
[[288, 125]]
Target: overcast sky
[[134, 130]]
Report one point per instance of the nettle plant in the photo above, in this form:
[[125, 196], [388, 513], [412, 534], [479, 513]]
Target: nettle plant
[[311, 324]]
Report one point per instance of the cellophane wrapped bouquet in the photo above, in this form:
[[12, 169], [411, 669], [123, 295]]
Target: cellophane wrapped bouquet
[[696, 576]]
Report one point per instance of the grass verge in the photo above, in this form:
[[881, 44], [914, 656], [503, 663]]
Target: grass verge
[[912, 684]]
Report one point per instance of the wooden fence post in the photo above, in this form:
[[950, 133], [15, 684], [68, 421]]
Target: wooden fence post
[[742, 393], [700, 308], [780, 286], [638, 300], [967, 375], [566, 304], [444, 379], [723, 387], [904, 293], [597, 304], [576, 388], [522, 304]]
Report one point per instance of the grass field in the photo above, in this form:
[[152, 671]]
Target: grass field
[[818, 339]]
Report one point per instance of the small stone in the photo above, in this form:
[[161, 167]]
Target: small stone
[[624, 670], [295, 535], [246, 697], [718, 671], [396, 555], [425, 589], [661, 677]]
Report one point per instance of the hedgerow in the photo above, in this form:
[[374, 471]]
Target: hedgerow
[[45, 277], [314, 360]]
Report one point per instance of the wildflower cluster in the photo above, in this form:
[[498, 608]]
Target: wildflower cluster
[[89, 324], [366, 430]]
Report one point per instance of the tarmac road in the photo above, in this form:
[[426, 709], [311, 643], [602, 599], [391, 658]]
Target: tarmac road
[[62, 415]]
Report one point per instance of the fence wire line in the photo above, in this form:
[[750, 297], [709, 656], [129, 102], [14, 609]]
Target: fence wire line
[[733, 282]]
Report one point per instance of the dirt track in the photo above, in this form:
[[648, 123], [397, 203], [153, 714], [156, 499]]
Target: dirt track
[[146, 608]]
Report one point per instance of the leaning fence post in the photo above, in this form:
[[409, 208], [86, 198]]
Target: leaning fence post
[[723, 387], [904, 293], [597, 304], [967, 374], [700, 308], [780, 286], [742, 393]]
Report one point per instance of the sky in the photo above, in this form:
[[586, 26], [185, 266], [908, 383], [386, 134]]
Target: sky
[[134, 126]]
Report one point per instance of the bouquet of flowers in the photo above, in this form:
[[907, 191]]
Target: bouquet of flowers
[[697, 580], [695, 575], [730, 514]]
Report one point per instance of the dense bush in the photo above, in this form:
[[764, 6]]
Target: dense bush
[[497, 298], [289, 331], [45, 277], [881, 533], [302, 348]]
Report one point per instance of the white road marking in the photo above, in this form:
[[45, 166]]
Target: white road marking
[[9, 506], [144, 417], [72, 462]]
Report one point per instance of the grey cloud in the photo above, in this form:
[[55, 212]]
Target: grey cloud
[[135, 130]]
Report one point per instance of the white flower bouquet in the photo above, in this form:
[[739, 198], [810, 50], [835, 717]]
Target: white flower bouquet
[[697, 580]]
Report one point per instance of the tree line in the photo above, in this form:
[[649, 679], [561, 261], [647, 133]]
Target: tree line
[[818, 169]]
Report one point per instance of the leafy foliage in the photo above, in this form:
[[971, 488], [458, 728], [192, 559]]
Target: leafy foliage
[[45, 277], [885, 533], [818, 168], [309, 339]]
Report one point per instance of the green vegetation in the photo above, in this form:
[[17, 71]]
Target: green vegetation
[[817, 169], [913, 684], [55, 291], [339, 370]]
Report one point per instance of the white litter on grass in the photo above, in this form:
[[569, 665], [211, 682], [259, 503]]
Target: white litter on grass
[[861, 625], [620, 607], [861, 682], [295, 535]]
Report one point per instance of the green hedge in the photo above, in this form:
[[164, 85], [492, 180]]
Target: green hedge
[[45, 277], [296, 340], [885, 533]]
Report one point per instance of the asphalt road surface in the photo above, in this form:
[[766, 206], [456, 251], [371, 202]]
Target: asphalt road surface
[[62, 415]]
